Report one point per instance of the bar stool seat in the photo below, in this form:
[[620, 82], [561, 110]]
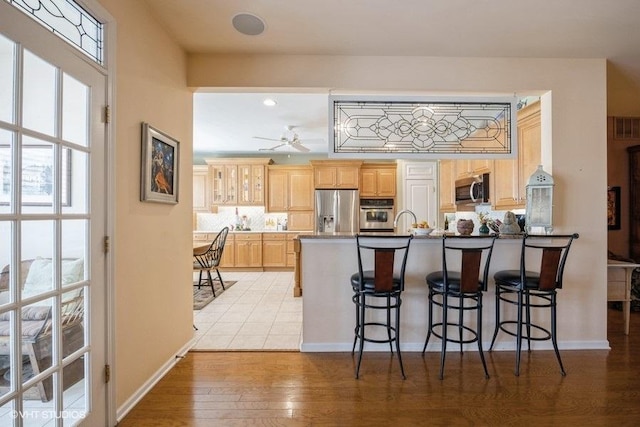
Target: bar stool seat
[[379, 290]]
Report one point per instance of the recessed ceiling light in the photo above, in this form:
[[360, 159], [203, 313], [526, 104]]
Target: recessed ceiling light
[[269, 102], [249, 24]]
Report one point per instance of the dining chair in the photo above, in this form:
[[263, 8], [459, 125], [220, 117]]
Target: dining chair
[[209, 260]]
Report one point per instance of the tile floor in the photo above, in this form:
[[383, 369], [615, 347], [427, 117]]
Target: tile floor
[[258, 312]]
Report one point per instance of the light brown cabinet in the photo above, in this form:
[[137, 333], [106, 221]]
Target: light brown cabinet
[[290, 189], [336, 174], [248, 250], [201, 188], [447, 178], [236, 181], [251, 180], [274, 250], [472, 167], [378, 180], [510, 176]]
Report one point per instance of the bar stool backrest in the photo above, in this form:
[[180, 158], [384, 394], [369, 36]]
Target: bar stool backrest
[[470, 250], [552, 254], [384, 265]]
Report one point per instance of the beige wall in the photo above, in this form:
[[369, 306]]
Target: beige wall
[[576, 89], [153, 241]]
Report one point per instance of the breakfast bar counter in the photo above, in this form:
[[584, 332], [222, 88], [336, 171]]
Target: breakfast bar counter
[[327, 261]]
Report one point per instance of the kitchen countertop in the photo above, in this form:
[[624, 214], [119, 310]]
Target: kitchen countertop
[[252, 231], [350, 235]]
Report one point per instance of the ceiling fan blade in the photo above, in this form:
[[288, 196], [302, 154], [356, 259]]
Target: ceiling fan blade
[[300, 147], [272, 148], [313, 141], [268, 139]]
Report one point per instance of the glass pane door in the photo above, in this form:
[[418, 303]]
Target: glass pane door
[[52, 286]]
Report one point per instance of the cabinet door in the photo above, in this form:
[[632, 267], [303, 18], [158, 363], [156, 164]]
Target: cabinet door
[[231, 184], [347, 177], [368, 187], [301, 221], [277, 192], [446, 183], [218, 182], [255, 254], [257, 182], [228, 253], [201, 188], [325, 177], [274, 250], [245, 186], [300, 190], [529, 145], [386, 182], [504, 185]]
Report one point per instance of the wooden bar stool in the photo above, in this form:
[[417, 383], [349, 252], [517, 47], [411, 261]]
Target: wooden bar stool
[[459, 286], [533, 288], [378, 288]]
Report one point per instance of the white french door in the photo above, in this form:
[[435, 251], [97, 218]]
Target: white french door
[[52, 226]]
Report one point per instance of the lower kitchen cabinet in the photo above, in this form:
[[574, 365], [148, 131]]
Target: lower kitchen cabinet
[[228, 253], [248, 250], [274, 250]]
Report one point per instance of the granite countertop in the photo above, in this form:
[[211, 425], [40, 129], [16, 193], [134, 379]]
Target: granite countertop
[[350, 235]]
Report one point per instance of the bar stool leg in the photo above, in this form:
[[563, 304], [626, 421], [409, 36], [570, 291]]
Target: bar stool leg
[[479, 323], [361, 336], [460, 320], [443, 353], [389, 324], [554, 339], [430, 326], [497, 328], [397, 337], [519, 334]]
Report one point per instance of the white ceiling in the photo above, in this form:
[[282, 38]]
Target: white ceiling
[[448, 28]]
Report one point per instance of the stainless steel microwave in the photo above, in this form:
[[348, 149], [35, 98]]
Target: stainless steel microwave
[[473, 190]]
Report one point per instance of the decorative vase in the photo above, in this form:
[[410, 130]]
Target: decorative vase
[[484, 228], [465, 226]]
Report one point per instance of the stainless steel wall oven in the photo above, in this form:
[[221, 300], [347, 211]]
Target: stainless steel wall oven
[[376, 215]]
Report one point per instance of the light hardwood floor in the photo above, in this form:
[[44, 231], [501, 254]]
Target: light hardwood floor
[[601, 388]]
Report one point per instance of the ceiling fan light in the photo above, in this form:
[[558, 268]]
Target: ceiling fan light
[[269, 102]]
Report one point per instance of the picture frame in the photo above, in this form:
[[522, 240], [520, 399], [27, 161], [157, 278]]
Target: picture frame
[[613, 208], [160, 162], [37, 180]]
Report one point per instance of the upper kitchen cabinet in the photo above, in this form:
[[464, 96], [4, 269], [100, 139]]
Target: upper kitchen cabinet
[[472, 167], [237, 181], [378, 180], [201, 191], [447, 179], [290, 189], [336, 174], [510, 176]]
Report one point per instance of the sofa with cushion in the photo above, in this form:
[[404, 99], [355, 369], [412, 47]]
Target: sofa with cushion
[[36, 277]]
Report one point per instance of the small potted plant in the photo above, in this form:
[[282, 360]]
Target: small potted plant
[[485, 223]]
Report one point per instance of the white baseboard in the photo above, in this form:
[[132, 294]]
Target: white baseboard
[[434, 345], [123, 410]]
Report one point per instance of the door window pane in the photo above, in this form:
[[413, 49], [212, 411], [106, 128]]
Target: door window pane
[[7, 79], [75, 181], [6, 237], [6, 183], [37, 239], [74, 246], [7, 326], [75, 107], [39, 94]]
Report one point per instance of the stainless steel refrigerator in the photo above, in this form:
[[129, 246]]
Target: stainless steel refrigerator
[[337, 210]]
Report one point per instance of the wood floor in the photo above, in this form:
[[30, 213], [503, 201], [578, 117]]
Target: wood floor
[[302, 389]]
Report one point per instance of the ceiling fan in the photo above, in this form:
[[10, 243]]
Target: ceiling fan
[[293, 141]]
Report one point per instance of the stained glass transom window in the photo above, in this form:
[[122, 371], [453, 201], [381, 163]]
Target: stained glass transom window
[[69, 21], [409, 127]]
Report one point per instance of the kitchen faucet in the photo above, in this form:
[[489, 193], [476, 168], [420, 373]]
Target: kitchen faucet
[[404, 211]]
